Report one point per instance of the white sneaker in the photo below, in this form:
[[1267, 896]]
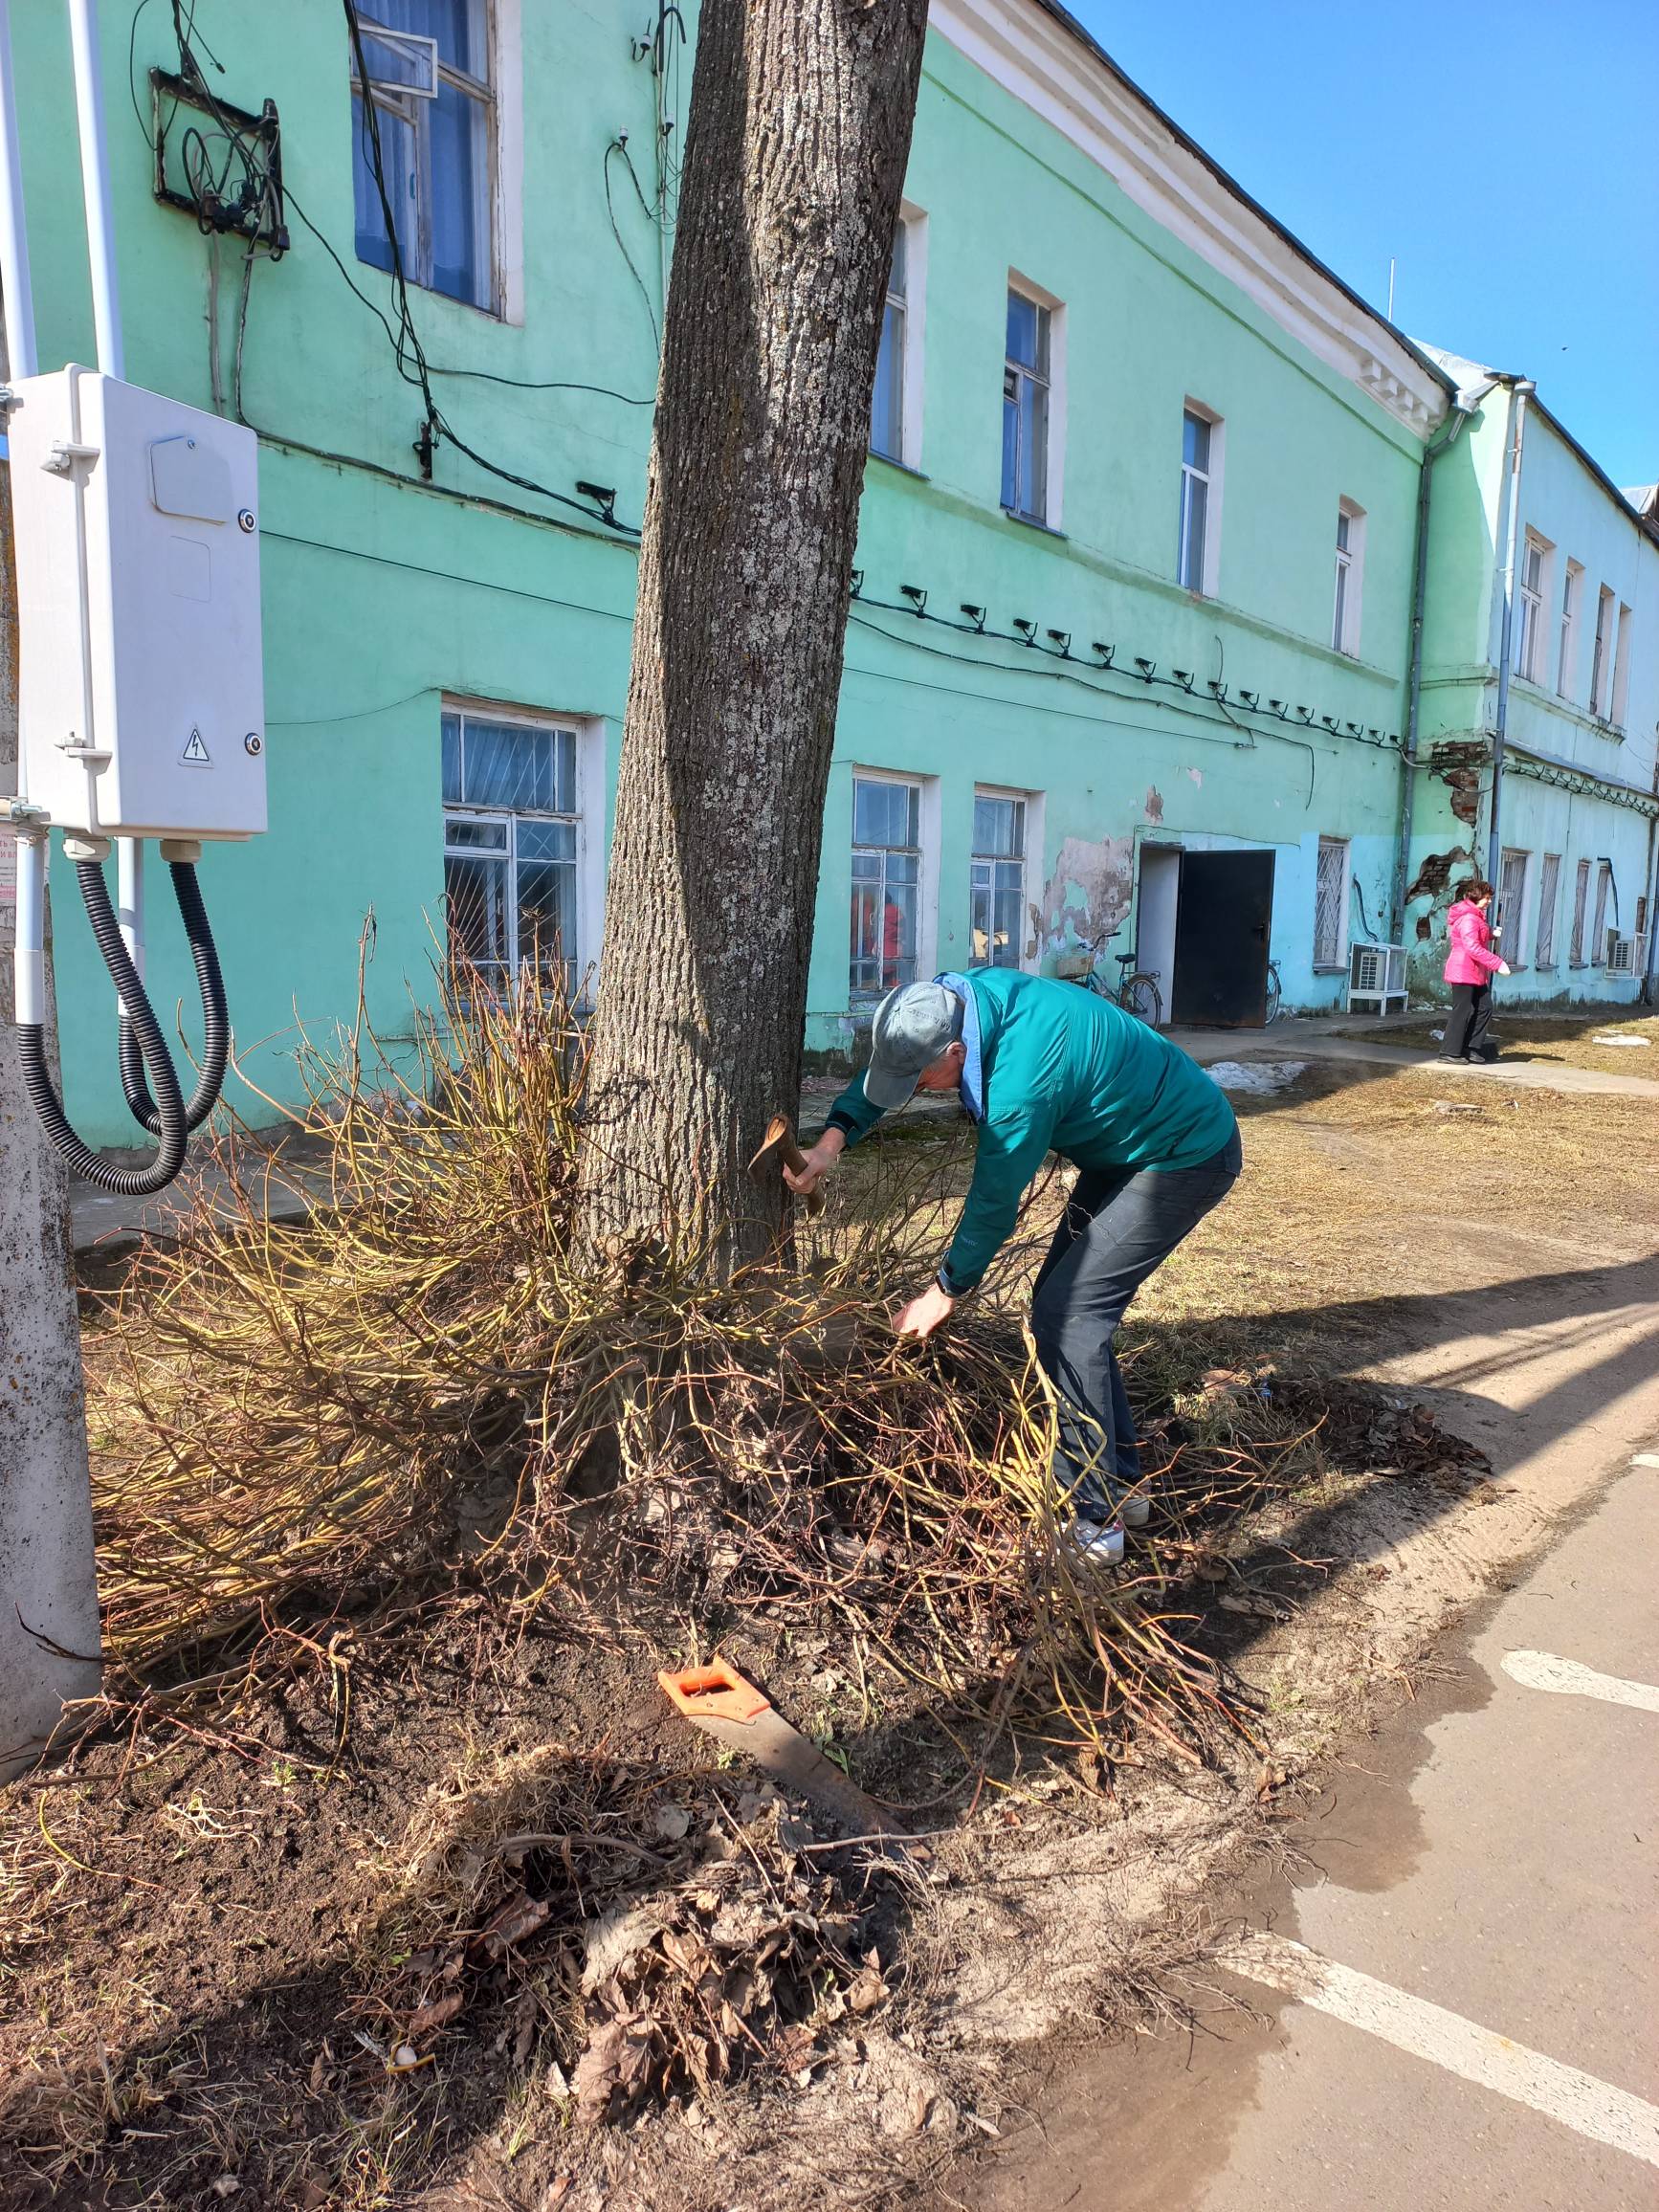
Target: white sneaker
[[1101, 1542], [1134, 1512]]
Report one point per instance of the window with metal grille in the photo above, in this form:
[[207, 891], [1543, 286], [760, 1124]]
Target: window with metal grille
[[510, 845], [1531, 609], [1549, 888], [1581, 898], [1510, 916], [997, 891], [1330, 902], [886, 884], [1026, 409], [887, 404], [431, 91], [1192, 548]]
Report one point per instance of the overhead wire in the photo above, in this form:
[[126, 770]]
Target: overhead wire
[[619, 145], [408, 352]]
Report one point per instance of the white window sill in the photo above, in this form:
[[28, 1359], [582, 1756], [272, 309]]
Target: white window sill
[[1031, 522], [904, 468]]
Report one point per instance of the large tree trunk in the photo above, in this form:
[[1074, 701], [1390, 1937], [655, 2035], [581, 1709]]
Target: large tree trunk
[[800, 124]]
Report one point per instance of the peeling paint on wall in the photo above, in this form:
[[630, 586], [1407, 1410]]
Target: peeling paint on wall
[[1458, 766], [1154, 804], [1197, 775], [1088, 892], [1435, 873], [1433, 882]]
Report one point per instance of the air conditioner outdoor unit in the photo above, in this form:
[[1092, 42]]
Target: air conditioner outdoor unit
[[1376, 976], [1626, 956]]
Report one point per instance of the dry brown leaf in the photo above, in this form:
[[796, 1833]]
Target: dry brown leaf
[[867, 1990], [520, 1916], [437, 2014]]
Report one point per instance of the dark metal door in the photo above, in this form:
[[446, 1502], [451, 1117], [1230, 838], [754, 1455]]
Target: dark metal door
[[1220, 939]]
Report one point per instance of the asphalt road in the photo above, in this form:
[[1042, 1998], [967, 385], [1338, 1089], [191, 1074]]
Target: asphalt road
[[1475, 2025]]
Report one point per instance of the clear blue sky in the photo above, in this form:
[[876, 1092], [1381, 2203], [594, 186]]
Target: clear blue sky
[[1506, 156]]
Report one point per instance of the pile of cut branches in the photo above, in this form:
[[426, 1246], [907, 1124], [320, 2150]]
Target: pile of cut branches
[[432, 1376]]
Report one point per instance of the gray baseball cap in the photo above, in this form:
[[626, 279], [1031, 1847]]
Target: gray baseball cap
[[913, 1027]]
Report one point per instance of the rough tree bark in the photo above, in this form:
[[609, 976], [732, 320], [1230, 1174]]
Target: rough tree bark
[[800, 124]]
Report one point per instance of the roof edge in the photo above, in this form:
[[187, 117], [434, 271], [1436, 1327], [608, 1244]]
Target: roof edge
[[1189, 144]]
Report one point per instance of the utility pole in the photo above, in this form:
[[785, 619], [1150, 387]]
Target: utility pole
[[49, 1627]]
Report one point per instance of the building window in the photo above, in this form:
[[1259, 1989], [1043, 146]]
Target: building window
[[432, 96], [1549, 886], [1026, 381], [1599, 934], [1622, 670], [1529, 644], [1350, 574], [1200, 501], [1331, 903], [1600, 651], [1511, 917], [1581, 897], [886, 883], [1568, 672], [511, 825], [887, 424], [997, 894]]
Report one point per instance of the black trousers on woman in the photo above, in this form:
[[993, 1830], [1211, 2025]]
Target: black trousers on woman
[[1468, 1023]]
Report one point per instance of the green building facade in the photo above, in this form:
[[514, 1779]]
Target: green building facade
[[1129, 670]]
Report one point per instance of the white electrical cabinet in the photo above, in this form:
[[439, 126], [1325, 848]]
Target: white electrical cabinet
[[141, 686]]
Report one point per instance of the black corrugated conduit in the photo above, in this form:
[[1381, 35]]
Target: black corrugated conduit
[[215, 1017], [152, 1050]]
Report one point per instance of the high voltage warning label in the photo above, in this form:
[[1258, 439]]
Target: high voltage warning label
[[195, 751]]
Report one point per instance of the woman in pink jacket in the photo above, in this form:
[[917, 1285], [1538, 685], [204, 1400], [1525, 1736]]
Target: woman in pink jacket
[[1469, 968]]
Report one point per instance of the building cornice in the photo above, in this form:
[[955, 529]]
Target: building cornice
[[1047, 61]]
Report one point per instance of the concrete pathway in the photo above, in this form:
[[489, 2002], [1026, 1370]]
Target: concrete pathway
[[1319, 1040], [285, 1173], [1452, 2007]]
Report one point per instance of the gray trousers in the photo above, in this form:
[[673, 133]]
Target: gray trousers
[[1118, 1225]]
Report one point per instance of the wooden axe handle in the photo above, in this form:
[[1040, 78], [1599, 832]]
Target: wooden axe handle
[[781, 1137]]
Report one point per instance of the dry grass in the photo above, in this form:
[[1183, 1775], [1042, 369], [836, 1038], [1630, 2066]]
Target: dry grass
[[434, 1376]]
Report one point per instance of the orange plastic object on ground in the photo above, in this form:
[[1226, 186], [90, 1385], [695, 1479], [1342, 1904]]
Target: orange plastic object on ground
[[716, 1691]]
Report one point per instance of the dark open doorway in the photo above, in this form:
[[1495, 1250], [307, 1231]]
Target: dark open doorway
[[1221, 938]]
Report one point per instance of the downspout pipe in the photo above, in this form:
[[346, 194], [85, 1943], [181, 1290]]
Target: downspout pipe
[[1520, 391], [1651, 970], [1444, 438]]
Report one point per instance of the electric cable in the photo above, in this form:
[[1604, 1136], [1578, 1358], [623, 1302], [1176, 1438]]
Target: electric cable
[[407, 337], [215, 1017], [404, 341], [78, 1156], [619, 145]]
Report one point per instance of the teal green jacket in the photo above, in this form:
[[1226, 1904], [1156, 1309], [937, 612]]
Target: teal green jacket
[[1052, 1068]]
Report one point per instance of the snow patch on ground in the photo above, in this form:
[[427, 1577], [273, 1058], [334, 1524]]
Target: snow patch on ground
[[1257, 1074], [1640, 1043]]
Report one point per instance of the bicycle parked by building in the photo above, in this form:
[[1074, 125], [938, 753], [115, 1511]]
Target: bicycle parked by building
[[1136, 991]]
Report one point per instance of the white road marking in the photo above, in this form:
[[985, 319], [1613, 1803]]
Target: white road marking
[[1578, 2100], [1543, 1671]]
